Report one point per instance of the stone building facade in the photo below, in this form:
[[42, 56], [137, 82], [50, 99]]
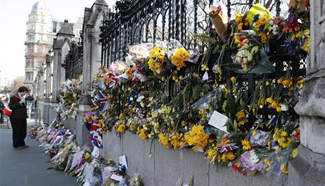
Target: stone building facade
[[39, 38], [42, 29]]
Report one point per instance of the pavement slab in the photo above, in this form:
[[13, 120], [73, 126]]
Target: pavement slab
[[28, 167]]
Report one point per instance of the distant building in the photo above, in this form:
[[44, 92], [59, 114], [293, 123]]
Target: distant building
[[42, 29]]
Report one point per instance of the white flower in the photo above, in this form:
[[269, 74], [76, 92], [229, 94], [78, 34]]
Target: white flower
[[253, 157], [284, 107], [140, 98]]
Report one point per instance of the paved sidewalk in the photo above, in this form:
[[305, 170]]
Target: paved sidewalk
[[28, 167]]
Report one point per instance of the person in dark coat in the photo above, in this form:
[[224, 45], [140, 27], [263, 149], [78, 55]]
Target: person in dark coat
[[1, 112], [18, 118]]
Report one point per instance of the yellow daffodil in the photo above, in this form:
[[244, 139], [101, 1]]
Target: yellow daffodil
[[306, 32], [284, 133], [263, 37], [157, 58], [283, 168], [278, 108], [233, 79], [143, 134], [246, 21], [269, 100], [286, 83], [246, 145], [228, 156], [294, 153], [177, 140], [268, 164], [274, 105], [121, 128], [242, 122], [204, 67], [269, 145], [197, 137], [284, 142], [276, 134], [299, 35], [163, 140], [240, 26], [240, 114], [179, 57], [87, 155], [238, 17], [211, 153]]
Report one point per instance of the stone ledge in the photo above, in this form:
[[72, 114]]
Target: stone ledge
[[48, 103], [308, 168], [166, 166], [312, 133]]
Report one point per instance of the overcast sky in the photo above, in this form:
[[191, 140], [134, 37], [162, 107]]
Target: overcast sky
[[13, 18]]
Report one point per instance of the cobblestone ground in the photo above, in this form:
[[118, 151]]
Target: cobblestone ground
[[28, 167]]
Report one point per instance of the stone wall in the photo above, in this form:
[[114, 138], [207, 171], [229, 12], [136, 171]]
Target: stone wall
[[47, 111], [157, 165], [165, 166], [309, 167]]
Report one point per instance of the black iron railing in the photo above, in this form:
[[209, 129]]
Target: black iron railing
[[74, 61], [137, 21]]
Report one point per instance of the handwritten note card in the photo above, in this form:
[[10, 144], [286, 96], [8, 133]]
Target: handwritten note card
[[218, 121]]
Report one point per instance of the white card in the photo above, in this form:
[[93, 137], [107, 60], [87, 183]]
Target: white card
[[122, 160], [205, 76], [116, 177], [95, 152], [218, 121]]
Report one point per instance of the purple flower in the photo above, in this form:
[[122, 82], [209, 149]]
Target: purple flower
[[247, 162], [297, 48], [256, 17], [187, 71], [290, 51], [262, 28], [195, 56], [291, 19]]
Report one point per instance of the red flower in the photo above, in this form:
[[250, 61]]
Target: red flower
[[234, 167]]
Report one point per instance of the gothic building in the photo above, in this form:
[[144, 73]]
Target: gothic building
[[42, 29]]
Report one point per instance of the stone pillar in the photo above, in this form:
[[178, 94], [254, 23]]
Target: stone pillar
[[56, 74], [93, 18], [48, 72], [41, 83], [92, 47], [309, 167]]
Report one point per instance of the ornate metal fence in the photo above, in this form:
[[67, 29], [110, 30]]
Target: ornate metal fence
[[73, 61], [137, 21]]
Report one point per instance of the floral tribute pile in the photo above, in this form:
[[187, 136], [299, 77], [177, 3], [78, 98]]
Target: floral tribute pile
[[68, 98], [233, 100], [87, 166]]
